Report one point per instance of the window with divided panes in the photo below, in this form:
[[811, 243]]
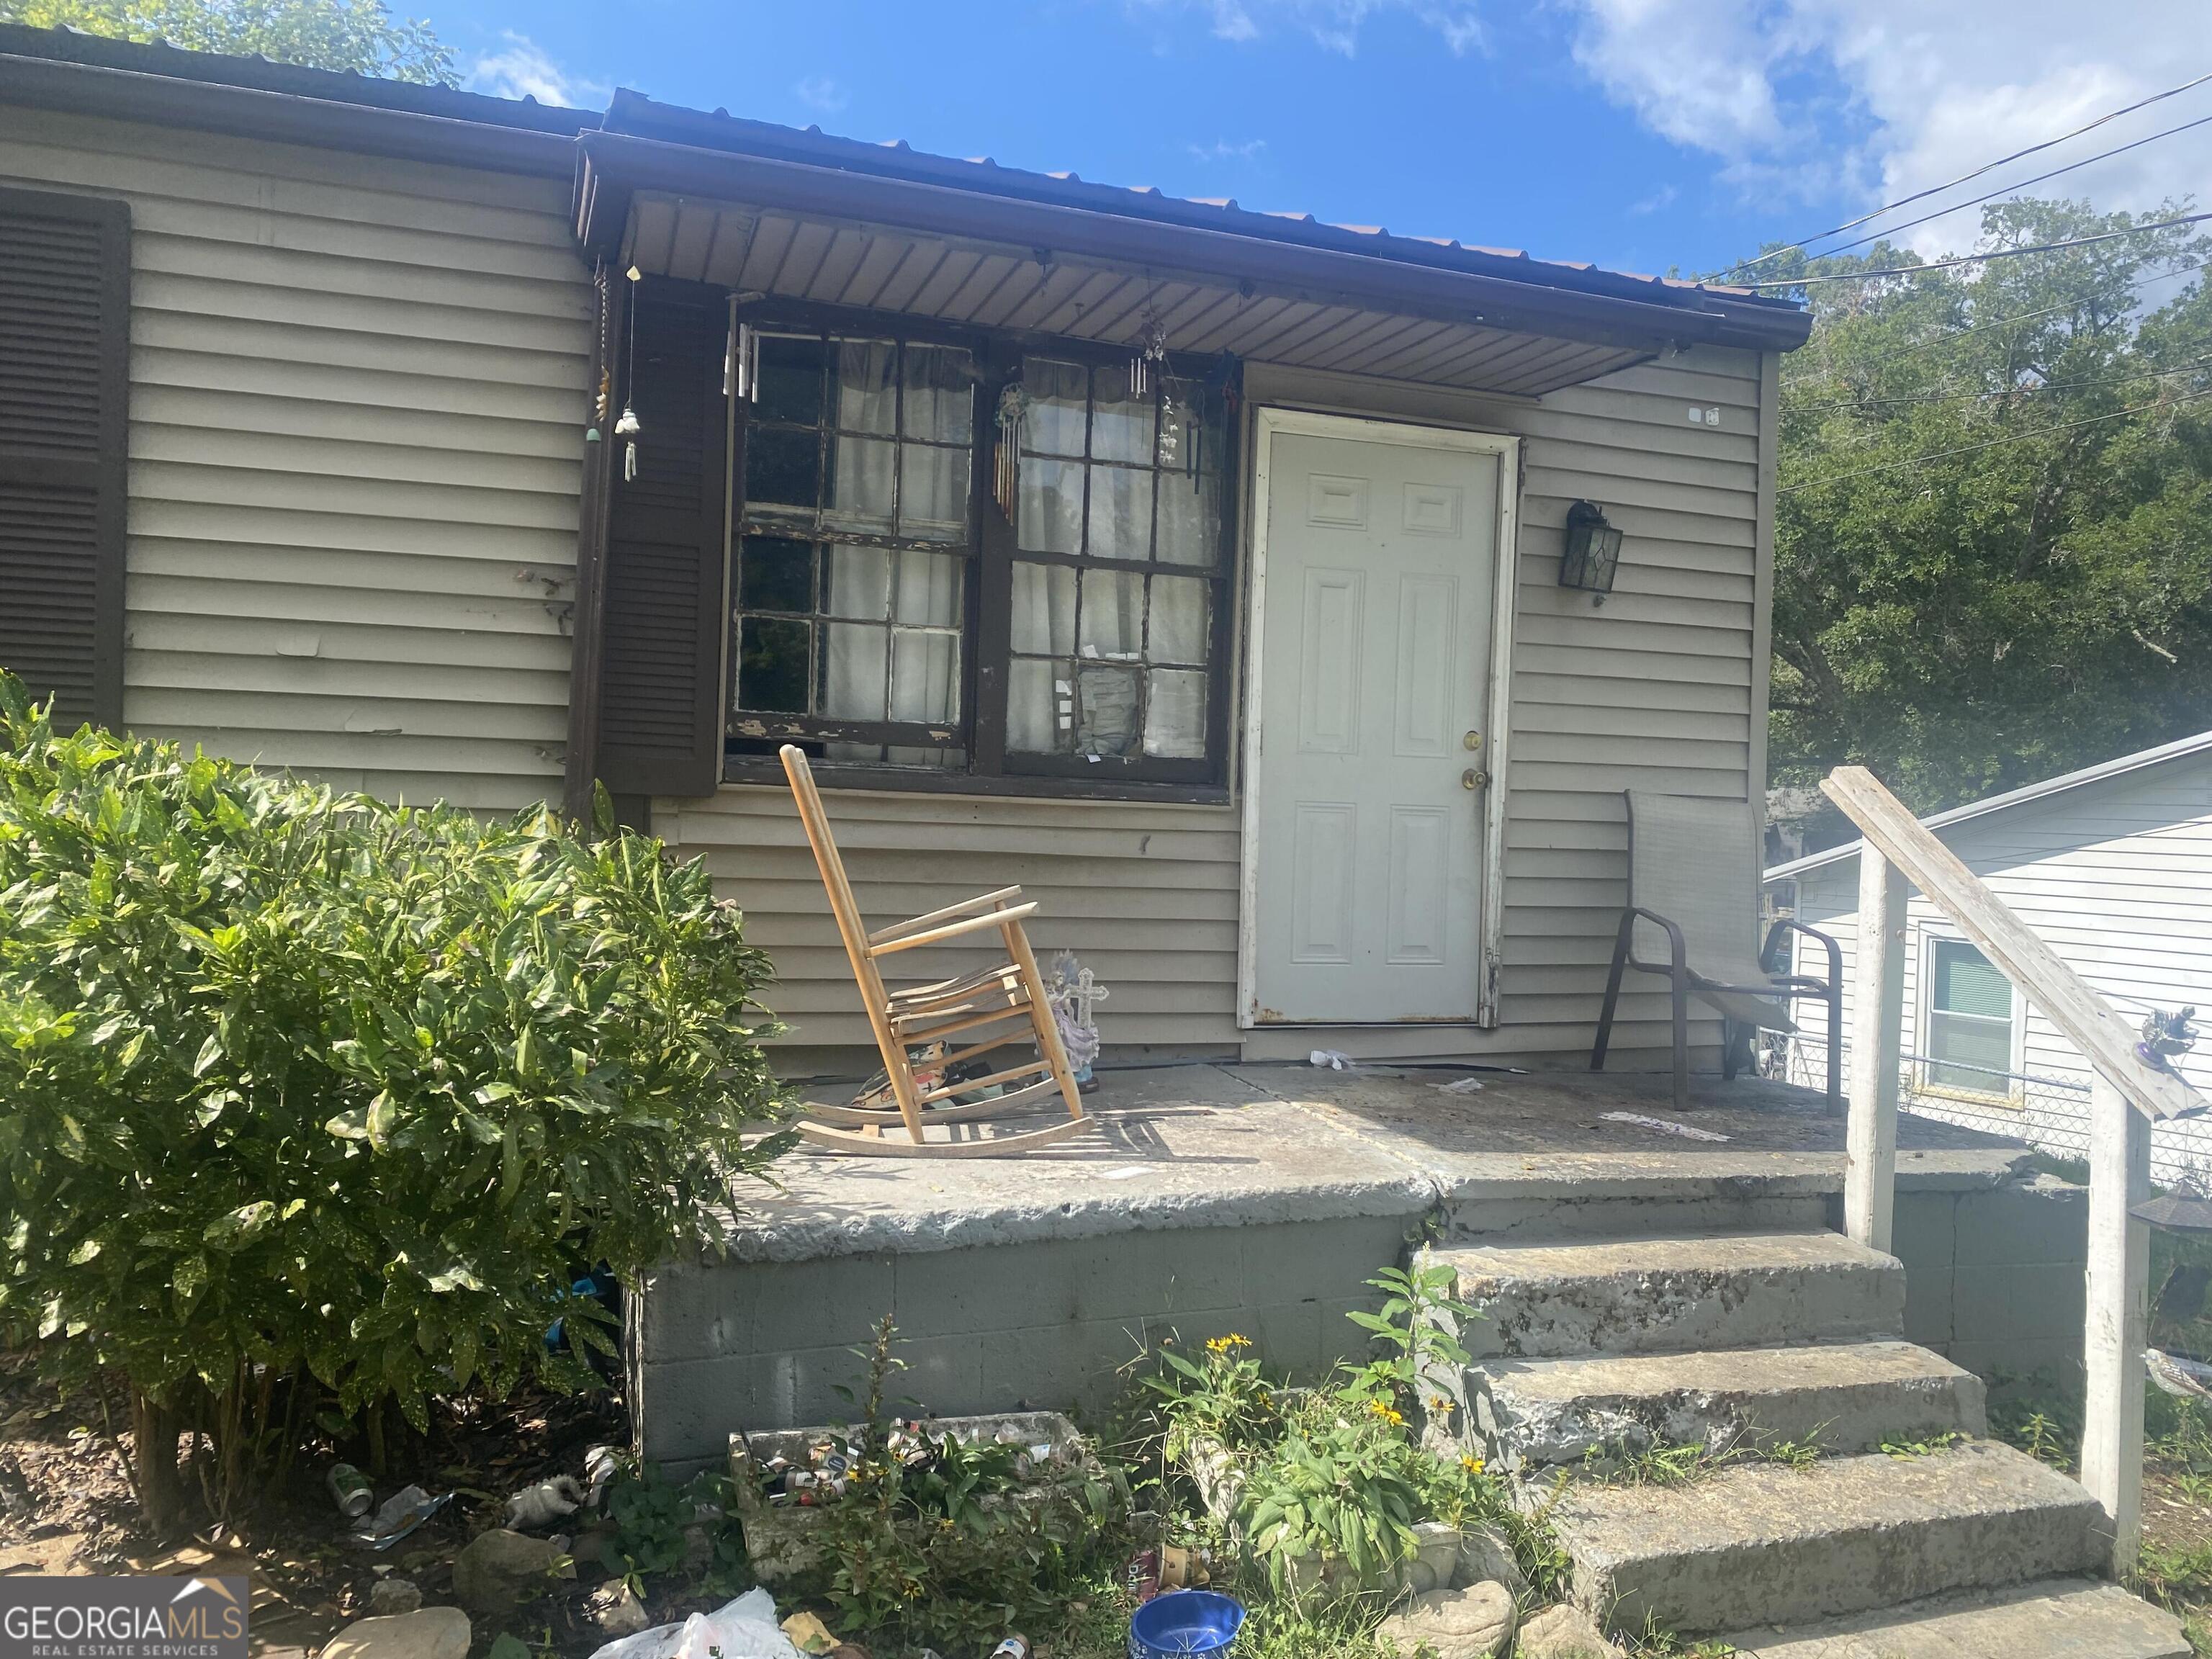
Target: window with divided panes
[[870, 553]]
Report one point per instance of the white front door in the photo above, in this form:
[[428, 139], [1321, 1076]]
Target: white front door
[[1369, 814]]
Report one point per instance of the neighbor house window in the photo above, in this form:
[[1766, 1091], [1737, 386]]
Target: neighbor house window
[[1969, 1031], [889, 615]]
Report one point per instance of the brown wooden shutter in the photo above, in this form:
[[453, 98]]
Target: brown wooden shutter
[[65, 390], [661, 688]]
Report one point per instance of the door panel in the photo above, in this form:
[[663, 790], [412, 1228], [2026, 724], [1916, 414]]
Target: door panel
[[1382, 563]]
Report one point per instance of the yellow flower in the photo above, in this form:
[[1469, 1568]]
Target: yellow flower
[[1472, 1464], [1223, 1345], [1389, 1414], [1438, 1404]]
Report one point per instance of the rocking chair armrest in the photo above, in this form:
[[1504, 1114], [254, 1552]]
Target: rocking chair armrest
[[966, 907], [954, 930], [1785, 925]]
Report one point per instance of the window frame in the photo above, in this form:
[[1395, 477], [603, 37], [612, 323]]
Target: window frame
[[2011, 1091], [987, 623]]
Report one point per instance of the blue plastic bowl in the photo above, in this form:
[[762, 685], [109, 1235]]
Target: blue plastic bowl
[[1190, 1624]]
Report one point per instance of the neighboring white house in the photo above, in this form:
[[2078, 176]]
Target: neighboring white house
[[2112, 866]]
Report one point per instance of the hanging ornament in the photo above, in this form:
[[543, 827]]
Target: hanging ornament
[[746, 361], [627, 427], [1151, 355], [1007, 463], [1169, 448]]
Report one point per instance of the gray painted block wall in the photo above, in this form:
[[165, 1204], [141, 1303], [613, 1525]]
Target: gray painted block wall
[[1993, 1280]]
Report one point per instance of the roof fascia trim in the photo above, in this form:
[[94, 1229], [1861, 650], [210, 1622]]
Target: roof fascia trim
[[618, 164]]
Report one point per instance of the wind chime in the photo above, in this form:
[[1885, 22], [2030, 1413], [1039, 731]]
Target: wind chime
[[1007, 459], [627, 426]]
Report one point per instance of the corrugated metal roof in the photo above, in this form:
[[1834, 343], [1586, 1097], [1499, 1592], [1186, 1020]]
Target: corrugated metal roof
[[2103, 772]]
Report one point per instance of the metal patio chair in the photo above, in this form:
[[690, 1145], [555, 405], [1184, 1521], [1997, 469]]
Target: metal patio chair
[[989, 1009], [1693, 868]]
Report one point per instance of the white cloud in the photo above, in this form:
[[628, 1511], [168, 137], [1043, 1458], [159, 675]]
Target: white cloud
[[1221, 151], [1658, 201], [1333, 24], [522, 68], [1877, 99], [819, 91]]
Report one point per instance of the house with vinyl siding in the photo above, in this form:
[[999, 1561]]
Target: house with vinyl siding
[[2111, 867], [1196, 568]]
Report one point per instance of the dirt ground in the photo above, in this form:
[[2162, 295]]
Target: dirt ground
[[66, 1507]]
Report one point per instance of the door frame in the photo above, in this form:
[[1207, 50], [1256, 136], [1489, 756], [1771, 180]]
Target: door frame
[[1270, 420]]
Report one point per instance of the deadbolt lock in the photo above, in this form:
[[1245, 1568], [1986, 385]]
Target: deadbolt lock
[[1473, 778], [1472, 740]]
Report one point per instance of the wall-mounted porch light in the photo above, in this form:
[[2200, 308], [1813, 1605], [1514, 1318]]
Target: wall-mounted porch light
[[1593, 552]]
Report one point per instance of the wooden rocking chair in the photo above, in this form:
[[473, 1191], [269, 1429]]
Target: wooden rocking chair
[[989, 1009]]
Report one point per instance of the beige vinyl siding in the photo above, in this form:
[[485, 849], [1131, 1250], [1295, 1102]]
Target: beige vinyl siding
[[1652, 690], [358, 386], [2117, 879]]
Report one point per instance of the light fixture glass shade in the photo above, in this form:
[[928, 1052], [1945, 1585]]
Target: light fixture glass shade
[[1593, 551]]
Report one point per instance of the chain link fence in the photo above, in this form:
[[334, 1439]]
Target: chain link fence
[[2051, 1114]]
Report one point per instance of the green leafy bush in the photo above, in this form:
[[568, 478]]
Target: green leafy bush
[[301, 1086]]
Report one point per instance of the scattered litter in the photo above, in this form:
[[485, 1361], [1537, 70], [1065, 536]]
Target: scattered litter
[[349, 1491], [542, 1504], [743, 1629], [1459, 1086], [808, 1633], [1662, 1125], [1334, 1059], [405, 1511], [600, 1465], [1014, 1647]]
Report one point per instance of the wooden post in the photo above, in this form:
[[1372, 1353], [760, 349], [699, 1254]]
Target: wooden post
[[2119, 1291], [1877, 1051]]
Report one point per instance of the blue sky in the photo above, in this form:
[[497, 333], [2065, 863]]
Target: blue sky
[[1641, 134]]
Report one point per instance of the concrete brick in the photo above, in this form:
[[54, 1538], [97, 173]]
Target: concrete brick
[[1056, 1367], [1928, 1308], [1323, 1259], [2044, 1222], [829, 1301], [1289, 1336], [1923, 1230], [1129, 1275], [697, 1312], [685, 1412], [967, 1292], [2015, 1305]]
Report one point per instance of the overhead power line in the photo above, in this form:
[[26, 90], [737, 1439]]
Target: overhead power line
[[2197, 367], [1990, 443], [1974, 259], [2002, 160], [2008, 190]]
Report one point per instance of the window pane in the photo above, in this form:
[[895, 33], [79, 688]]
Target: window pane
[[1050, 510], [1039, 705], [1054, 424], [1177, 631], [771, 665], [861, 490], [924, 677], [1044, 609], [1121, 514], [790, 380], [1174, 713], [940, 394], [775, 574], [856, 581], [1105, 710], [783, 468], [933, 493], [926, 588], [1121, 424], [854, 659], [1190, 518], [864, 396], [1967, 982], [1980, 1050], [1112, 613]]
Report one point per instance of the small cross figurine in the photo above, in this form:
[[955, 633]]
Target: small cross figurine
[[1074, 993]]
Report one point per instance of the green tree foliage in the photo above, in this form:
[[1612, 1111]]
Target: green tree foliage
[[360, 35], [1994, 531], [294, 1086]]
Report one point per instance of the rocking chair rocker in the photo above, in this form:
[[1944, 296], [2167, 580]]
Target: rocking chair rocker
[[989, 1009]]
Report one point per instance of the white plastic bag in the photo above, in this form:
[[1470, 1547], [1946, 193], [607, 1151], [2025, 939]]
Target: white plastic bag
[[744, 1629]]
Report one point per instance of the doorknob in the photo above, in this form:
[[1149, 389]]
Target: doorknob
[[1473, 778]]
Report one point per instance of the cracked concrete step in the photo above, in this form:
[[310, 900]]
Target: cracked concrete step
[[1846, 1396], [1557, 1298], [2061, 1618], [1767, 1544]]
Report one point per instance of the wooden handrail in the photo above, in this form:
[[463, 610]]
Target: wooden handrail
[[2056, 989], [2127, 1096]]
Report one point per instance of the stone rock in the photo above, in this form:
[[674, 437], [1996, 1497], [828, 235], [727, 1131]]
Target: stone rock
[[1476, 1623], [615, 1608], [1431, 1568], [1564, 1632], [1485, 1556], [389, 1597], [498, 1570], [431, 1633]]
